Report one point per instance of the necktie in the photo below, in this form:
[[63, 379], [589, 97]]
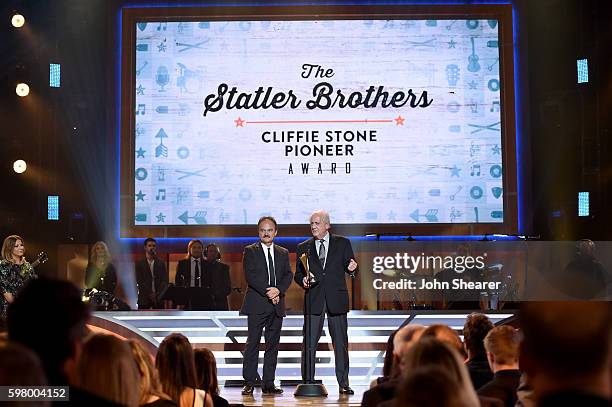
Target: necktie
[[271, 271], [197, 273], [322, 252]]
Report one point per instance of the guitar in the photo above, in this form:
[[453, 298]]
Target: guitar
[[40, 259], [473, 65]]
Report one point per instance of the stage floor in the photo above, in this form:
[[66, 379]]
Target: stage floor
[[233, 396]]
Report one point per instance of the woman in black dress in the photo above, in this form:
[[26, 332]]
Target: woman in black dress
[[15, 270]]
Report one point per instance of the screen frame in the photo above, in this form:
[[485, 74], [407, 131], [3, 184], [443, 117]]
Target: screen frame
[[501, 12]]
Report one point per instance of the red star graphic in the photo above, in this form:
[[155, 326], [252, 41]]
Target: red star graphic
[[399, 121], [239, 122]]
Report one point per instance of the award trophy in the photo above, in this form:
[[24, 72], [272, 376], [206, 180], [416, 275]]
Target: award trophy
[[312, 280]]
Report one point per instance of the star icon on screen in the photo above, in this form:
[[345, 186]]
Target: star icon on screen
[[161, 218], [399, 121], [140, 196], [140, 90], [452, 43], [140, 153], [239, 122], [455, 171], [496, 149]]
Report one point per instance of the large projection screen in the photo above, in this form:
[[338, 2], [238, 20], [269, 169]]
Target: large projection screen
[[393, 119]]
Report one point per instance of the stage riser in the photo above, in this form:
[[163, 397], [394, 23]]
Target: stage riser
[[225, 333]]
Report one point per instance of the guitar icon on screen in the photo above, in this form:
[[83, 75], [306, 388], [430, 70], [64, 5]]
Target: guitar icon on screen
[[473, 65]]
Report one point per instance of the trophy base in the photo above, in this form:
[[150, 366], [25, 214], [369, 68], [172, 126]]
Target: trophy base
[[310, 390]]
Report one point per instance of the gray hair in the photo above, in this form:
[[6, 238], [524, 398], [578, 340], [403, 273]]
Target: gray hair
[[322, 214]]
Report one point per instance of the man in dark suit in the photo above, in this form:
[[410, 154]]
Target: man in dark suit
[[189, 275], [268, 275], [216, 278], [151, 277], [329, 258]]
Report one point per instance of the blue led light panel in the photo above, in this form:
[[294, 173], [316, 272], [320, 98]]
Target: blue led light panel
[[52, 207], [583, 204], [583, 70], [55, 75]]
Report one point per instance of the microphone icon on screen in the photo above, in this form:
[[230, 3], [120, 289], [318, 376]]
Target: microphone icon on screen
[[162, 78]]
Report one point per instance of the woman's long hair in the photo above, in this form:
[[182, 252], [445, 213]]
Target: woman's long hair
[[93, 257], [428, 352], [206, 370], [9, 245], [149, 378], [176, 366], [107, 369]]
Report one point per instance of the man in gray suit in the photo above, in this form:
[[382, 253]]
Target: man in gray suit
[[268, 275], [330, 258]]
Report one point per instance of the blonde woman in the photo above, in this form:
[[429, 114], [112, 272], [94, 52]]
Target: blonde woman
[[107, 369], [151, 394], [100, 273], [177, 374], [431, 352], [15, 271]]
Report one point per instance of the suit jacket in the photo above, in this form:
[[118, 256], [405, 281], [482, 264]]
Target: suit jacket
[[256, 273], [143, 282], [183, 272], [503, 386], [331, 289], [216, 277]]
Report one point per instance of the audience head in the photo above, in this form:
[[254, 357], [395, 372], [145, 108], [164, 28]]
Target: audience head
[[502, 346], [432, 386], [428, 352], [12, 247], [566, 346], [476, 327], [54, 308], [445, 334], [107, 369], [176, 366], [402, 340], [20, 366], [99, 251], [206, 370], [149, 378]]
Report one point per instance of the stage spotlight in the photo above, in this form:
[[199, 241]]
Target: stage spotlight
[[18, 20], [22, 89], [19, 166]]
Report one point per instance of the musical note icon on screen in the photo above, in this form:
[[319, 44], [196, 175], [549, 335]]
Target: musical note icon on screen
[[475, 170], [162, 26], [495, 106], [141, 110], [161, 195]]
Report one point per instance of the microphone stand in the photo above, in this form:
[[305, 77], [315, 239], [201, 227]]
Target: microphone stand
[[310, 388]]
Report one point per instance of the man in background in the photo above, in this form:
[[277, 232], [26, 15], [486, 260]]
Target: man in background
[[151, 277], [216, 278]]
